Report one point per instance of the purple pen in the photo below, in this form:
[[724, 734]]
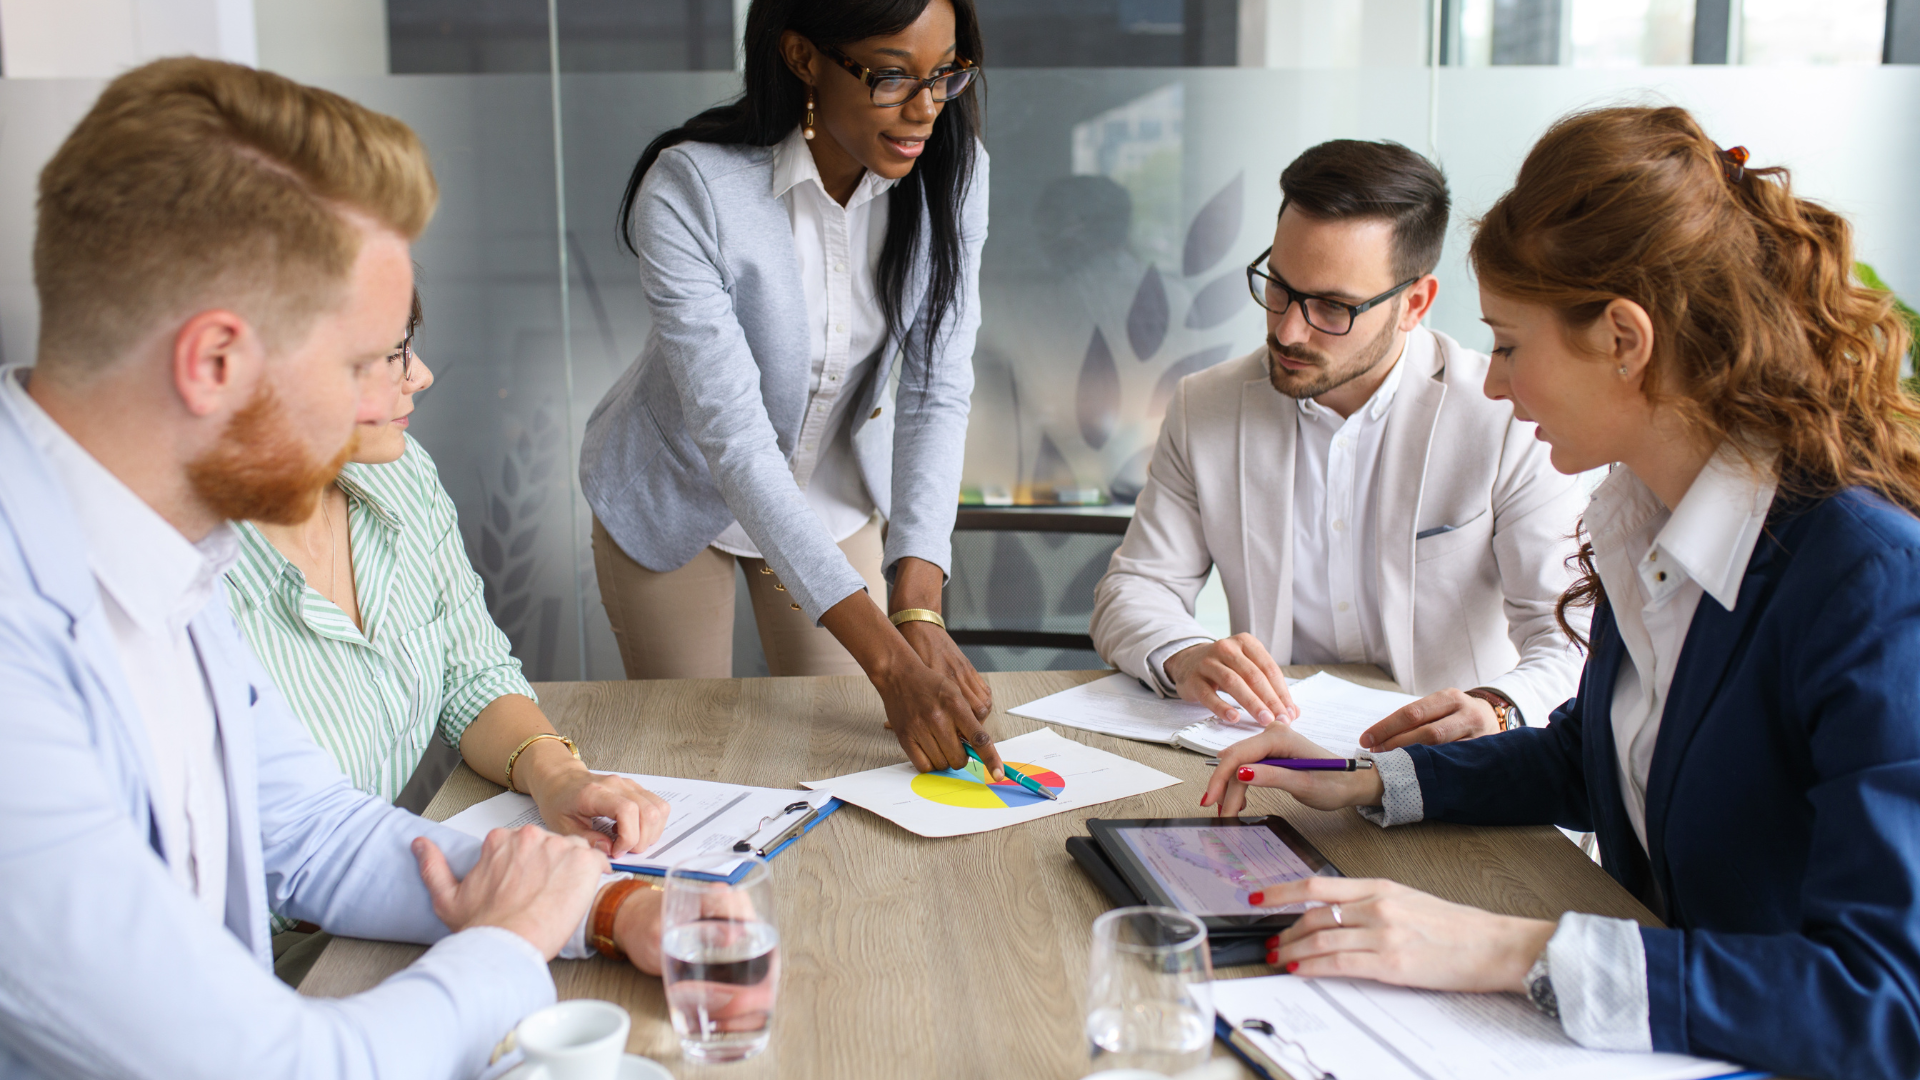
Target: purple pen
[[1322, 764]]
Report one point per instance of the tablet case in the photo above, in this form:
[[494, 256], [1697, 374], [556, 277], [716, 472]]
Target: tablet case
[[1226, 951]]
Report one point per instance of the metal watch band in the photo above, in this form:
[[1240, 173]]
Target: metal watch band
[[1504, 710], [1540, 987]]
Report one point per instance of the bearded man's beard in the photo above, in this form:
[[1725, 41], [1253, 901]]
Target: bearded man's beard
[[1301, 385], [259, 471]]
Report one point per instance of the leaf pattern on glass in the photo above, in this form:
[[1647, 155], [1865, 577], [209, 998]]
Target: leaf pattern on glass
[[1147, 318], [1217, 302], [1214, 229], [1050, 469], [1180, 369], [1097, 401], [510, 561]]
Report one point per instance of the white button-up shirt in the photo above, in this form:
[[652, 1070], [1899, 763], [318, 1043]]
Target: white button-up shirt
[[839, 252], [1336, 526], [152, 582], [1656, 565], [1336, 575]]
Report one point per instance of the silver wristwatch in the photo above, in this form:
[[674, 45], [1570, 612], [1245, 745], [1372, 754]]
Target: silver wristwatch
[[1540, 987]]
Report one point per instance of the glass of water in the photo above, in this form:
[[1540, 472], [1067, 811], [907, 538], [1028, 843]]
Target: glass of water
[[720, 957], [1149, 991]]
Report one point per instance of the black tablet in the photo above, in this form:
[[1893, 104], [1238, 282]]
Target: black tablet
[[1207, 866]]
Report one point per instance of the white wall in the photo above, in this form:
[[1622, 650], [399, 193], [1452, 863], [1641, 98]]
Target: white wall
[[314, 39], [92, 39], [1333, 33], [98, 38]]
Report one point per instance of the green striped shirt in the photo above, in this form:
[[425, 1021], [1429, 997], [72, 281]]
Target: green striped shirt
[[431, 657]]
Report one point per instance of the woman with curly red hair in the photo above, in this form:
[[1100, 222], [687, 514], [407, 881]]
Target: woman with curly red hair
[[1743, 743]]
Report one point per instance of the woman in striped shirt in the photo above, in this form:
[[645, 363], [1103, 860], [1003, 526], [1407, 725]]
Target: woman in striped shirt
[[372, 622]]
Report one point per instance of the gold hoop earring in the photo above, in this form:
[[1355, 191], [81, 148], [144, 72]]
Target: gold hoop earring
[[806, 128]]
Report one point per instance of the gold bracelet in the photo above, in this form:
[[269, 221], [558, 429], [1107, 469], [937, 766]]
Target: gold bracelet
[[518, 750], [917, 614]]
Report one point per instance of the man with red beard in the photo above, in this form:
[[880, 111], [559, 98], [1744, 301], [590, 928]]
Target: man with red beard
[[222, 259], [1360, 497]]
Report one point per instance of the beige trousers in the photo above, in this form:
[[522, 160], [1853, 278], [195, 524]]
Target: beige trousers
[[679, 624]]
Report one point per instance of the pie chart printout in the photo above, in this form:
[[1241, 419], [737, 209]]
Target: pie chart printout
[[972, 787]]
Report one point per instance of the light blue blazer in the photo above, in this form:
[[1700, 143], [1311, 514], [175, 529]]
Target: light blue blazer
[[701, 429], [107, 967]]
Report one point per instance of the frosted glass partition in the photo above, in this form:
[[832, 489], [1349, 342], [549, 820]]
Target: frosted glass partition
[[1124, 204]]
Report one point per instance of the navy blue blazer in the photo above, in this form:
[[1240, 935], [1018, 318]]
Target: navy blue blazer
[[1783, 805]]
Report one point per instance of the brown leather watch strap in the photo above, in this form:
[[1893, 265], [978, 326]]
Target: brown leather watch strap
[[1503, 708], [605, 907]]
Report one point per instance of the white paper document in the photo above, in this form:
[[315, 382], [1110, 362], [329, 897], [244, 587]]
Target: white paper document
[[1333, 713], [703, 816], [1354, 1027], [956, 802]]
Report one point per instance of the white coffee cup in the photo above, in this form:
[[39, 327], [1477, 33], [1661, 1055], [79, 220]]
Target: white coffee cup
[[576, 1040]]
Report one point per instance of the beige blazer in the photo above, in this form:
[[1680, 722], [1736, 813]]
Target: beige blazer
[[1471, 605]]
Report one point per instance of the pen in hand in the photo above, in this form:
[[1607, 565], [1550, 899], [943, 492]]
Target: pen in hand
[[1016, 776], [1309, 764]]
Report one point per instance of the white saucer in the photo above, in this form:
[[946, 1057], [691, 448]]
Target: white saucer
[[632, 1067]]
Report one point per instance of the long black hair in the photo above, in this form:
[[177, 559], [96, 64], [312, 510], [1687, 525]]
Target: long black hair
[[772, 106]]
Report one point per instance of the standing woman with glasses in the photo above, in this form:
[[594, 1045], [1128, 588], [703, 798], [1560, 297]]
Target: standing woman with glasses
[[795, 246]]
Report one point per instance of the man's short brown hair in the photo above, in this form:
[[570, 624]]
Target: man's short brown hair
[[194, 184], [1349, 179]]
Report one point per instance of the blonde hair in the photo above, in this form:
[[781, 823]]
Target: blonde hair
[[194, 183]]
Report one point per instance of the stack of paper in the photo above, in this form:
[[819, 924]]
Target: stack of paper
[[1353, 1027], [703, 817], [1333, 713]]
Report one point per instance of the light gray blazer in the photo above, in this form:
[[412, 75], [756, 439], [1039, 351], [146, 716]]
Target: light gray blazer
[[1475, 528], [701, 429]]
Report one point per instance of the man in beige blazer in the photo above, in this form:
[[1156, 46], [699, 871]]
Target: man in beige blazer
[[1363, 500]]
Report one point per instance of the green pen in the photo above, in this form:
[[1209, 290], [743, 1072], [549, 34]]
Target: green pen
[[1015, 775]]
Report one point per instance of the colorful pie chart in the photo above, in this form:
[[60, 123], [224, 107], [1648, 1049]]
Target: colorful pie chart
[[972, 787]]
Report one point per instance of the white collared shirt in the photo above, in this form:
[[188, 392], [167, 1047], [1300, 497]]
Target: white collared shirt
[[1656, 565], [839, 252], [1336, 576], [1336, 525], [153, 581]]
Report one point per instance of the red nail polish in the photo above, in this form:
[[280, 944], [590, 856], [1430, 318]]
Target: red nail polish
[[1292, 965], [1245, 774], [1273, 958], [1256, 898], [1273, 942]]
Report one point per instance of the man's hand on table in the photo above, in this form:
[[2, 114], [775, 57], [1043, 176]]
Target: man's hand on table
[[1241, 668], [528, 880], [636, 929], [1443, 716]]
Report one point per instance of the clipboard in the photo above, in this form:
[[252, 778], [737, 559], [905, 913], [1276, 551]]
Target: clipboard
[[826, 809]]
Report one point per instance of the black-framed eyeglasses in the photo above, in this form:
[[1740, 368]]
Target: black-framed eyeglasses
[[1326, 315], [891, 91]]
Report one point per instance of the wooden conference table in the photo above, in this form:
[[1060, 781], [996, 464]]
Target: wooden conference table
[[955, 958]]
